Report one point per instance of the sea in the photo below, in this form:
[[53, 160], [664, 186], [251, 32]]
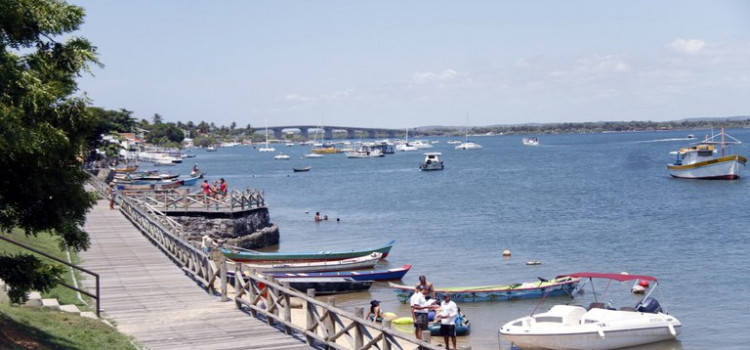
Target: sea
[[598, 202]]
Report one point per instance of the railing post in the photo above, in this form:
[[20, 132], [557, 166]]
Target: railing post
[[275, 310], [310, 321], [330, 325], [287, 310], [223, 274], [386, 341], [358, 336]]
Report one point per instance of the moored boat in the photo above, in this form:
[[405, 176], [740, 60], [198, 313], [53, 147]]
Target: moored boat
[[255, 256], [598, 326], [530, 141], [372, 275], [704, 161], [362, 262], [563, 285], [431, 162], [300, 170], [327, 285]]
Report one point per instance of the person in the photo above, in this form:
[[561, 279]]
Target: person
[[223, 188], [112, 194], [447, 317], [420, 307], [206, 189], [206, 244], [325, 217], [317, 216], [195, 170], [215, 189], [375, 311], [427, 285]]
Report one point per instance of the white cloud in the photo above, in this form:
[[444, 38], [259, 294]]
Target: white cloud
[[298, 98], [594, 66], [689, 46], [342, 94], [431, 77]]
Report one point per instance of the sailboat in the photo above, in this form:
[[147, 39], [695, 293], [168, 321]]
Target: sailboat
[[468, 145], [405, 146], [313, 145], [266, 148]]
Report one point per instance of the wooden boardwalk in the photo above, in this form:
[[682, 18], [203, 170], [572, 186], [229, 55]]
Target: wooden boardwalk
[[152, 299]]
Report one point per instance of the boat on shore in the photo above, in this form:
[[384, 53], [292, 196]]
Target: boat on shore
[[431, 162], [599, 326], [251, 256], [372, 275], [704, 161], [563, 285], [362, 262]]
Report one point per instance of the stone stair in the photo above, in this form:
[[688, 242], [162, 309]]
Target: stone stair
[[35, 299]]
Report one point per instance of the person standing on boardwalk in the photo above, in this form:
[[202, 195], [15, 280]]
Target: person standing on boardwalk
[[215, 189], [206, 244], [419, 310], [222, 188], [428, 286], [112, 194], [447, 317], [206, 190]]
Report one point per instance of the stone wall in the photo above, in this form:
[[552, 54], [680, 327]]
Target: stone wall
[[251, 229]]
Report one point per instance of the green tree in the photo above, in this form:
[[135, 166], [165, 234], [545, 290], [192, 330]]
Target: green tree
[[43, 131]]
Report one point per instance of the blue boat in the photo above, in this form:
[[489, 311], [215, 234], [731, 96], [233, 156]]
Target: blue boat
[[190, 181], [373, 275], [559, 286], [463, 327]]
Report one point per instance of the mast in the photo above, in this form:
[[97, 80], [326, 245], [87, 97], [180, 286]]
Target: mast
[[722, 141]]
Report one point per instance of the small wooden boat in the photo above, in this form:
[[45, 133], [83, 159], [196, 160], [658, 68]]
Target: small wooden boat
[[251, 256], [559, 286], [362, 262], [127, 169], [300, 170], [190, 181], [164, 185], [374, 275], [327, 285]]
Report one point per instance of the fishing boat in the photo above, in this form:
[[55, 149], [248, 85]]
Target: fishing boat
[[431, 162], [365, 151], [192, 180], [327, 285], [530, 141], [599, 326], [702, 160], [559, 286], [362, 262], [300, 170], [372, 275], [251, 256]]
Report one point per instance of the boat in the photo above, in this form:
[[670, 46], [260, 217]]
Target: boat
[[559, 286], [245, 255], [365, 151], [431, 162], [599, 326], [468, 145], [453, 142], [372, 275], [281, 156], [530, 141], [163, 185], [192, 180], [300, 170], [361, 262], [327, 285], [325, 149], [463, 326], [405, 146], [690, 136], [702, 160], [313, 155], [211, 149], [421, 144], [266, 148], [126, 169]]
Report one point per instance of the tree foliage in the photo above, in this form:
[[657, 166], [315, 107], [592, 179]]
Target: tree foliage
[[43, 131]]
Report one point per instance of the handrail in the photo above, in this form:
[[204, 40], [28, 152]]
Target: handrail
[[96, 276]]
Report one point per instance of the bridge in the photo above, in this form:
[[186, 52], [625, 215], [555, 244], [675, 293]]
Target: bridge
[[351, 132]]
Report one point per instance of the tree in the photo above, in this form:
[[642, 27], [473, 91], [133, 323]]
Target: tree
[[43, 131]]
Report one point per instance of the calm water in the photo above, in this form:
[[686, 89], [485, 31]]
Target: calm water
[[592, 202]]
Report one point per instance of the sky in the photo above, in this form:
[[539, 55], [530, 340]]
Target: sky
[[399, 64]]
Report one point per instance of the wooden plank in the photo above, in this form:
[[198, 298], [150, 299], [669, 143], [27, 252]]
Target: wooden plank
[[151, 299]]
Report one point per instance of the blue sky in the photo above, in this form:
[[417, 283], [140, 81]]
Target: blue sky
[[400, 64]]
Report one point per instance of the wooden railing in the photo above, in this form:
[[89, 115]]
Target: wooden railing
[[325, 325], [177, 200]]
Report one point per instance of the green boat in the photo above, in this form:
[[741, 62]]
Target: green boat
[[243, 255], [559, 286]]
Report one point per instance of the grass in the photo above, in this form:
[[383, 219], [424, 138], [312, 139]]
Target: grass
[[49, 244], [24, 327]]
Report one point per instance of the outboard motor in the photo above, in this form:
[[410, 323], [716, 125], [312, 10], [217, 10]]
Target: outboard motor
[[648, 305]]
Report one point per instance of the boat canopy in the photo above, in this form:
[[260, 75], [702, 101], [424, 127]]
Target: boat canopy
[[613, 276]]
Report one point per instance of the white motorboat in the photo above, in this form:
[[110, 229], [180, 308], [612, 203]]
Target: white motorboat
[[313, 155], [573, 327], [365, 151], [431, 162], [704, 161], [453, 142], [421, 144], [281, 156], [530, 141]]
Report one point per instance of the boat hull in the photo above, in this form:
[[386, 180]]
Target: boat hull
[[253, 256], [364, 262], [528, 290], [375, 275], [324, 286], [724, 168], [591, 340]]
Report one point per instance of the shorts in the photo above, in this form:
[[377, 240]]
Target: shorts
[[448, 330], [421, 322]]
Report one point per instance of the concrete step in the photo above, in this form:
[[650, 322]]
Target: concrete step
[[35, 299], [51, 303], [89, 314], [70, 308]]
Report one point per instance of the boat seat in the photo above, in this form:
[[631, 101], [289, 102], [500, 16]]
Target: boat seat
[[596, 306], [627, 308]]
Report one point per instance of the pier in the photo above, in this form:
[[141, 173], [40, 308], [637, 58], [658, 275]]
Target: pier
[[168, 294]]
